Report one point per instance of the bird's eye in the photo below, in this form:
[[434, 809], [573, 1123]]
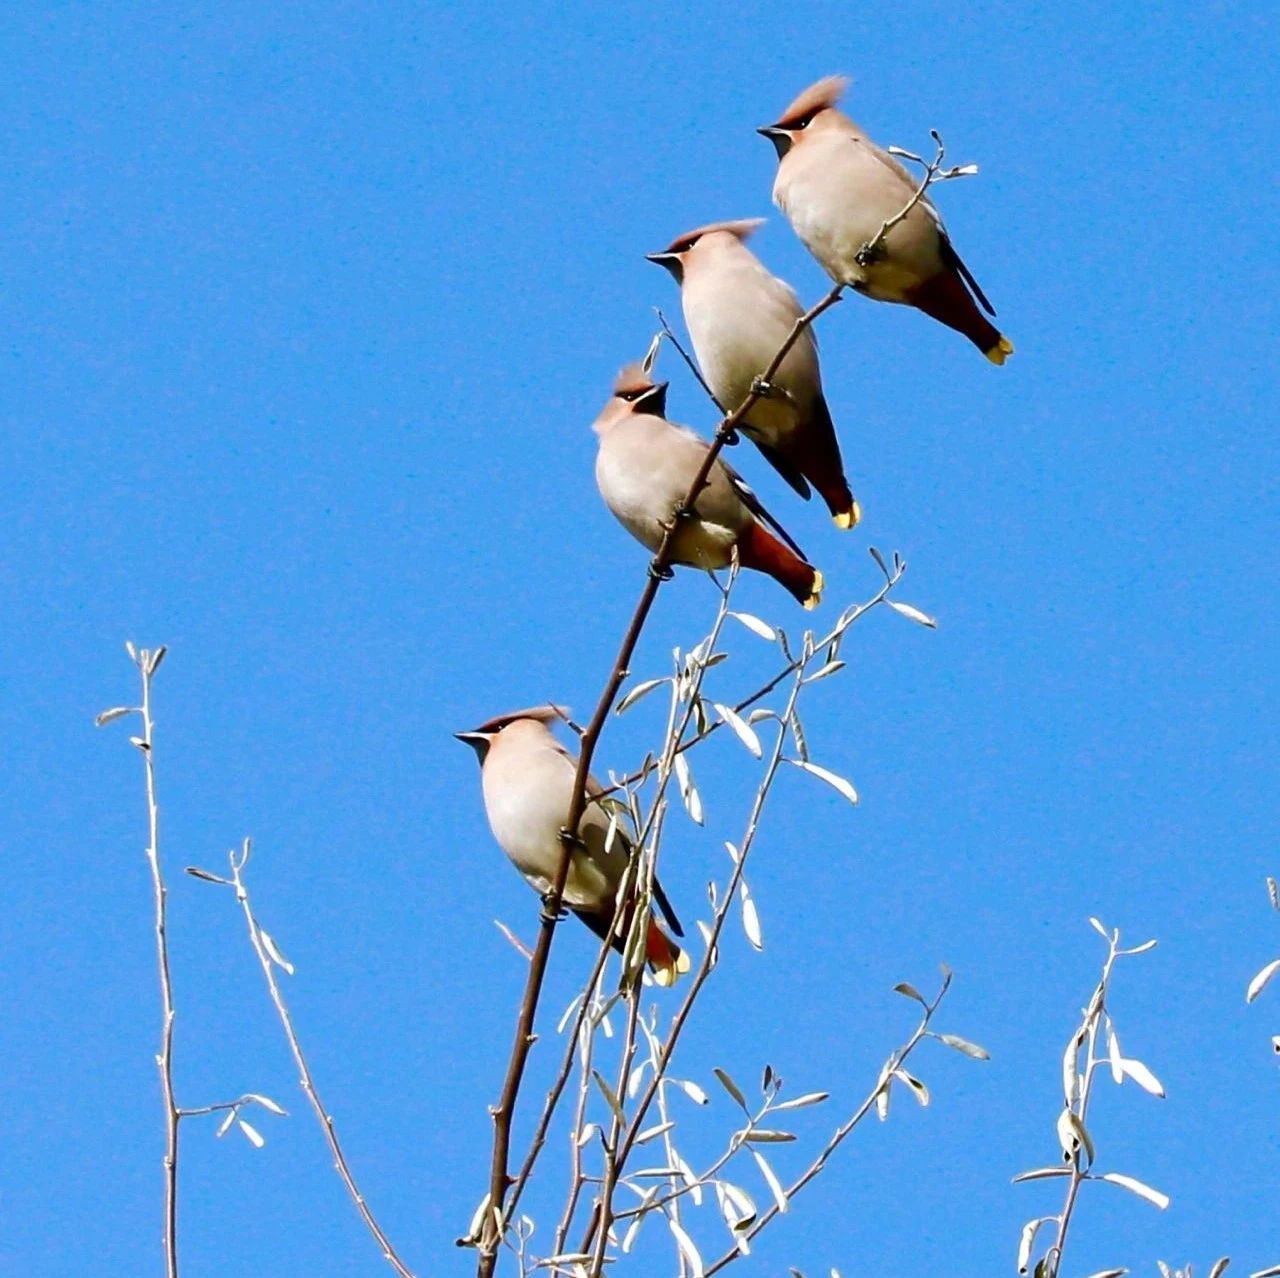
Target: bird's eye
[[631, 396], [805, 122]]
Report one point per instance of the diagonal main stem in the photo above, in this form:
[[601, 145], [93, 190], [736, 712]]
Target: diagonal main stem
[[493, 1221]]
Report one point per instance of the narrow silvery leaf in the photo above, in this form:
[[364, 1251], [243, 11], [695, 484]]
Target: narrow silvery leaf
[[587, 1132], [519, 945], [688, 791], [1027, 1240], [1069, 1070], [638, 692], [687, 1175], [691, 1090], [738, 1202], [755, 625], [832, 667], [1270, 1272], [1081, 1135], [742, 730], [836, 782], [1137, 1187], [760, 714], [965, 170], [1096, 924], [732, 851], [1273, 893], [750, 918], [273, 951], [650, 1132], [1113, 1053], [1040, 1173], [629, 1238], [775, 1186], [197, 873], [873, 552], [252, 1135], [882, 1100], [568, 1013], [809, 1098], [1141, 1075], [156, 658], [963, 1045], [1109, 1273], [267, 1103], [132, 651], [768, 1136], [610, 1098], [225, 1126], [1144, 947], [116, 712], [730, 1086], [918, 1089], [910, 991], [913, 614], [1259, 982], [687, 1250], [1219, 1267], [797, 733], [478, 1219]]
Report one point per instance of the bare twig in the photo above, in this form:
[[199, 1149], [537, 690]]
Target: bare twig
[[895, 1061], [493, 1220], [870, 251], [268, 957], [688, 359], [1074, 1140], [602, 1217], [147, 663]]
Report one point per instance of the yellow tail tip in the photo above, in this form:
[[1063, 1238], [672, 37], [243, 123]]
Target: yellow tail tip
[[815, 591], [1000, 351], [670, 973], [847, 519]]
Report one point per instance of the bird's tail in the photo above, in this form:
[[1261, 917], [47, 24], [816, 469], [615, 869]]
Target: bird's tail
[[945, 298], [758, 548], [667, 961]]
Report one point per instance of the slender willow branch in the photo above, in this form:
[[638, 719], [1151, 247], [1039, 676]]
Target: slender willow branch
[[602, 1216], [896, 1061], [493, 1220], [147, 663], [671, 747], [1079, 1172], [263, 948]]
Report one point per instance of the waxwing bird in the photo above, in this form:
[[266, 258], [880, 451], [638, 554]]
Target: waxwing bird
[[645, 468], [838, 188], [527, 780], [738, 316]]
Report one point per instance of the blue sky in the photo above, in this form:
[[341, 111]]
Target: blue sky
[[306, 315]]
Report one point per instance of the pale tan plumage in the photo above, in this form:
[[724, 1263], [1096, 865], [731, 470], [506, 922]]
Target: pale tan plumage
[[838, 188], [527, 779], [645, 467], [739, 316]]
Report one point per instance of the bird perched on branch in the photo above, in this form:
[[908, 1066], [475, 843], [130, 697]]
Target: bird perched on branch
[[838, 189], [527, 779], [644, 469], [738, 317]]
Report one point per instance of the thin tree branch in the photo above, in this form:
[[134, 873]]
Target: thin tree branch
[[688, 359], [147, 663], [896, 1060], [263, 947], [493, 1220], [604, 1204]]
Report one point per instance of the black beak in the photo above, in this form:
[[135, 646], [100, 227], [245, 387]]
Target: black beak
[[654, 401], [669, 262], [478, 741], [779, 137]]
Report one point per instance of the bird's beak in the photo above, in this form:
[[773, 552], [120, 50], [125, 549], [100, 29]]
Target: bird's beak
[[668, 261], [654, 401], [478, 741], [780, 138]]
